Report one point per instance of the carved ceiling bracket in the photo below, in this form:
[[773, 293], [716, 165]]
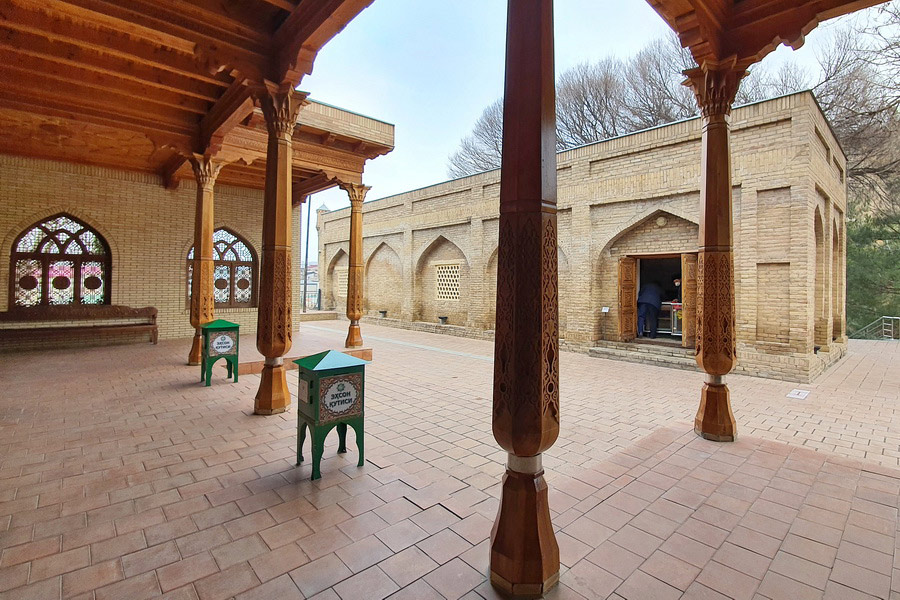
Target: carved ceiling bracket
[[280, 104], [715, 84]]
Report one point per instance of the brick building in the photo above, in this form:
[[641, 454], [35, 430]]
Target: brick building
[[145, 233], [629, 210]]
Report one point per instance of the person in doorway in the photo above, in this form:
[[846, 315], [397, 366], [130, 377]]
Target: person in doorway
[[675, 291], [649, 303]]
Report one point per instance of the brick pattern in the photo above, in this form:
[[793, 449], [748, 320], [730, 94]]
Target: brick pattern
[[129, 479], [608, 191], [149, 229]]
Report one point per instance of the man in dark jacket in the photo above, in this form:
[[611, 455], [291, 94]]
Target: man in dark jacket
[[649, 303]]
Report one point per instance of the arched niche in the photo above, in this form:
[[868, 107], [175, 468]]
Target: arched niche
[[383, 282], [337, 273], [442, 284]]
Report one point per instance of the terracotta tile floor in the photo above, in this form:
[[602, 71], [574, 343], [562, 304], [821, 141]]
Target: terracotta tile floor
[[121, 477]]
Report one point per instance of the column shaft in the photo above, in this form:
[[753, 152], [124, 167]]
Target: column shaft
[[524, 552], [715, 86], [357, 193], [273, 338], [202, 272]]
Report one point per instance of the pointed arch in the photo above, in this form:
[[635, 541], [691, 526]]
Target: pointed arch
[[383, 280], [442, 287], [236, 270], [59, 260], [820, 324], [439, 240], [642, 218], [336, 275]]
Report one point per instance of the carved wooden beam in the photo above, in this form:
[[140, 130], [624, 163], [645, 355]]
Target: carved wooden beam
[[230, 109], [108, 68], [283, 4], [305, 31], [107, 42]]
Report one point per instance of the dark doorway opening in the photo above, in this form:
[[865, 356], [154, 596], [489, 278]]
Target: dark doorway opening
[[662, 271]]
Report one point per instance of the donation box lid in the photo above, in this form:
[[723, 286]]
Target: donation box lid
[[219, 324], [328, 360]]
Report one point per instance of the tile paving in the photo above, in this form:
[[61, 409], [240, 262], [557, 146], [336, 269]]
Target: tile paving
[[122, 477]]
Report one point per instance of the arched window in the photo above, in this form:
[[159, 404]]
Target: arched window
[[59, 261], [234, 277]]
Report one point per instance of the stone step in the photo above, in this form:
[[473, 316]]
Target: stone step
[[316, 315], [679, 358]]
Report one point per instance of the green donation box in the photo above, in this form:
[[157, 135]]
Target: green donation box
[[331, 392], [220, 340]]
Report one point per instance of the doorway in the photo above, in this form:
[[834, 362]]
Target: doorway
[[676, 323]]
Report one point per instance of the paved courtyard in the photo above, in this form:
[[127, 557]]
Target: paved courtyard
[[122, 477]]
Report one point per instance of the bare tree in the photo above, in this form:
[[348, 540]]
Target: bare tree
[[590, 103], [654, 91], [480, 150]]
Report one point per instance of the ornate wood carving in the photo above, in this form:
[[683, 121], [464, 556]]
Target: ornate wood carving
[[524, 553], [627, 298], [715, 86], [357, 194], [202, 295], [688, 300], [273, 339]]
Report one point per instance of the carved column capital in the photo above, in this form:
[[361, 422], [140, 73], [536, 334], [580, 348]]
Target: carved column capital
[[280, 105], [206, 170], [356, 191], [715, 85]]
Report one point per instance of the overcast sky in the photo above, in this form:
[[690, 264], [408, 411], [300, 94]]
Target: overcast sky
[[430, 67]]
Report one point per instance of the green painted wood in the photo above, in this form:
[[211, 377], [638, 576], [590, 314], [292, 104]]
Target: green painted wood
[[331, 396], [221, 339]]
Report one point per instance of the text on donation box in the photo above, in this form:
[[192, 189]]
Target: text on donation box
[[222, 343], [340, 397]]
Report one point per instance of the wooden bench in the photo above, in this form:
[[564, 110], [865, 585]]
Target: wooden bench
[[59, 322]]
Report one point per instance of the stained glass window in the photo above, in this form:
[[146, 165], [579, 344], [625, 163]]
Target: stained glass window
[[59, 261], [234, 276]]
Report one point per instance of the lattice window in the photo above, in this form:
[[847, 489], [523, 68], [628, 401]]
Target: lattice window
[[59, 261], [447, 277], [234, 275]]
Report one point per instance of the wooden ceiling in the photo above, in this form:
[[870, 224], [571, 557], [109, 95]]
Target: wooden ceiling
[[140, 84], [747, 30]]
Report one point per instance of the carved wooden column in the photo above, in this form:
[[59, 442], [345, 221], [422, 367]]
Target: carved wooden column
[[273, 337], [357, 193], [524, 553], [202, 296], [715, 86]]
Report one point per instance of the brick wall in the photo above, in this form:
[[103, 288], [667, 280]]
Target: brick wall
[[785, 163], [149, 229]]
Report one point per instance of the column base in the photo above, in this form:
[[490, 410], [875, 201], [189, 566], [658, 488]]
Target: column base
[[715, 420], [195, 356], [273, 396], [524, 552], [354, 336]]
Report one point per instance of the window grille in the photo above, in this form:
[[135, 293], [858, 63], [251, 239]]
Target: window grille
[[59, 261], [234, 274], [447, 282]]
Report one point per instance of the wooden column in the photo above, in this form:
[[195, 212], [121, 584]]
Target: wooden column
[[357, 193], [715, 86], [202, 299], [273, 337], [524, 553]]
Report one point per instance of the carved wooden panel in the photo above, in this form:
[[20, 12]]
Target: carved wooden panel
[[689, 300], [627, 298]]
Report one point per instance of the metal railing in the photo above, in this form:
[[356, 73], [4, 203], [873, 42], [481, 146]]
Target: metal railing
[[882, 328]]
